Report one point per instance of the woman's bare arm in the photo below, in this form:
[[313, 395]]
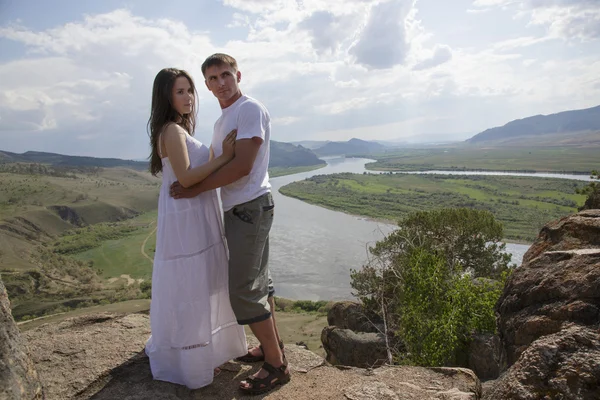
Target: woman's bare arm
[[174, 138]]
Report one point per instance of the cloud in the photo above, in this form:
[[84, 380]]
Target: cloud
[[327, 31], [340, 67], [383, 42], [285, 120], [93, 78], [524, 41], [567, 19], [441, 54]]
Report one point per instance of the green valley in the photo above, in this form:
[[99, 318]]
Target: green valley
[[522, 204], [527, 158]]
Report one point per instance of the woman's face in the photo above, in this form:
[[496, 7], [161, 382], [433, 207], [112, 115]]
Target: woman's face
[[183, 96]]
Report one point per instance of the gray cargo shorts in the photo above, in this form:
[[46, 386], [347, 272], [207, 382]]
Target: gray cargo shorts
[[247, 228]]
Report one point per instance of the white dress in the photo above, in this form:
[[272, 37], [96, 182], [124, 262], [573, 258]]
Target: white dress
[[193, 326]]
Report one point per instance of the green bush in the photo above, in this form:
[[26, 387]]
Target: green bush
[[440, 309], [302, 306], [592, 191], [437, 279]]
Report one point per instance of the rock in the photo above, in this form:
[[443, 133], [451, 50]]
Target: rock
[[18, 376], [351, 315], [546, 292], [578, 231], [105, 360], [80, 350], [564, 365], [484, 356], [346, 347]]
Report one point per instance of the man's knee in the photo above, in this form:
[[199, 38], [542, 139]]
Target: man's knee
[[249, 309]]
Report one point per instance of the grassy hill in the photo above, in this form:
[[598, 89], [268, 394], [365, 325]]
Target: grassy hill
[[42, 206], [61, 160], [287, 158]]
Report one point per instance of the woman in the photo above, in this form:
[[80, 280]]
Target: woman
[[193, 326]]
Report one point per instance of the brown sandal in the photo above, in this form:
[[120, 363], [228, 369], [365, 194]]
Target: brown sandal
[[249, 358], [277, 376]]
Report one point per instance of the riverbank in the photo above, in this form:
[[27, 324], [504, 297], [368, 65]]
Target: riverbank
[[522, 204], [567, 160], [283, 171]]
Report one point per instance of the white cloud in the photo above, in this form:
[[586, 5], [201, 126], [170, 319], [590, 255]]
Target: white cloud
[[383, 42], [285, 120], [441, 54], [524, 41], [569, 19], [337, 68]]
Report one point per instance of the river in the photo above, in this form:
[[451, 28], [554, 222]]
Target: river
[[313, 248]]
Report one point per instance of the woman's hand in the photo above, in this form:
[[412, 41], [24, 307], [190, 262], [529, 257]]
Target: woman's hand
[[229, 145]]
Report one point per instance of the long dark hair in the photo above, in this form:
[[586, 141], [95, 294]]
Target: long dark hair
[[162, 111]]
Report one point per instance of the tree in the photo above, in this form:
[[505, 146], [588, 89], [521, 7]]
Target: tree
[[592, 191], [435, 281], [467, 237]]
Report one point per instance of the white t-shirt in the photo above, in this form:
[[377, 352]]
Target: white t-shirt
[[251, 119]]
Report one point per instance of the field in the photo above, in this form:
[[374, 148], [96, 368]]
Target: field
[[522, 204], [129, 255], [530, 159]]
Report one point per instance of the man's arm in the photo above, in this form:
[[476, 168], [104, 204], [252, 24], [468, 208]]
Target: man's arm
[[241, 165]]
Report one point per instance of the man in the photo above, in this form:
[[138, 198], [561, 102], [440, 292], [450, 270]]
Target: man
[[248, 207]]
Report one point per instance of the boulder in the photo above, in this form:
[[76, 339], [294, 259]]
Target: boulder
[[485, 356], [578, 231], [564, 365], [18, 377], [351, 315], [555, 288], [356, 349]]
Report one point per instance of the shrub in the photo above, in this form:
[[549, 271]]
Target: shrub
[[435, 281], [592, 191]]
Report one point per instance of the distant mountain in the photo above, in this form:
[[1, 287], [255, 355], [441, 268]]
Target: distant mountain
[[71, 161], [352, 146], [289, 155], [282, 155], [311, 144], [566, 122]]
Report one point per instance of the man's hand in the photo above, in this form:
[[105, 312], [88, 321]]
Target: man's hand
[[179, 192]]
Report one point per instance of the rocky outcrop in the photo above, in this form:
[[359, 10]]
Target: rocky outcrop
[[485, 356], [549, 315], [542, 295], [579, 231], [356, 349], [18, 377], [564, 365], [101, 357]]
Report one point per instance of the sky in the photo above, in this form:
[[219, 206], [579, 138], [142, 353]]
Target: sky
[[76, 76]]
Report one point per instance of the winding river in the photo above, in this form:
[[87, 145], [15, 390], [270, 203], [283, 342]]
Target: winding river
[[313, 249]]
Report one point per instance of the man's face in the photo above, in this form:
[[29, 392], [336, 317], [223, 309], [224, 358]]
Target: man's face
[[222, 81]]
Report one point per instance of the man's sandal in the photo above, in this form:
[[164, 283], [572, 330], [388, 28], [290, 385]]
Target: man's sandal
[[277, 376], [250, 358]]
